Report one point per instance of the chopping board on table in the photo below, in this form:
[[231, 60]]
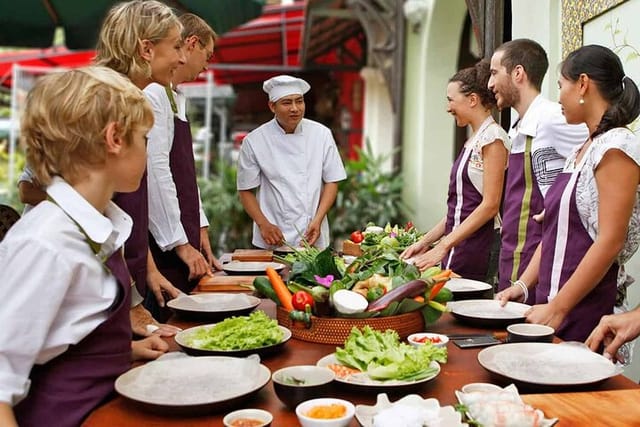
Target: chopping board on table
[[597, 408], [252, 255], [225, 283]]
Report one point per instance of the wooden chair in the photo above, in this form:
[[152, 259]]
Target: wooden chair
[[8, 217]]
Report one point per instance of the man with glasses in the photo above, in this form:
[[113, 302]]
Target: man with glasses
[[178, 227]]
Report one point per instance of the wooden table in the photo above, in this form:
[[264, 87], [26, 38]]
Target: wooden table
[[462, 368]]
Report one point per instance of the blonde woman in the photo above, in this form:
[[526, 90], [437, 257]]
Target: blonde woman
[[142, 40]]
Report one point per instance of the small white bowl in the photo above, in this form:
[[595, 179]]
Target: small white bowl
[[303, 409], [420, 338], [480, 387], [529, 332], [252, 414]]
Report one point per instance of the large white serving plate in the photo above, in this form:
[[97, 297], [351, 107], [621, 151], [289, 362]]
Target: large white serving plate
[[250, 267], [488, 312], [213, 306], [190, 382], [545, 364]]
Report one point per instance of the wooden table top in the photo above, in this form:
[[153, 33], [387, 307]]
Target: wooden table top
[[574, 408]]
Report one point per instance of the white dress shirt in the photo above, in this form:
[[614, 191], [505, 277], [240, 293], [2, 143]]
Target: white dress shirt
[[164, 210], [54, 290], [289, 171], [553, 139]]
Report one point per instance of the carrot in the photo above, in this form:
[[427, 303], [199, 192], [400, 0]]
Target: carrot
[[435, 289], [280, 289], [419, 299], [443, 275]]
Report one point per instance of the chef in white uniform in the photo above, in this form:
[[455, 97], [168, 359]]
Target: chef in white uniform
[[288, 171]]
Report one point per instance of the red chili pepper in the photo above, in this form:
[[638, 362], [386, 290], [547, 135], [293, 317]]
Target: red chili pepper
[[301, 299], [409, 226], [357, 236]]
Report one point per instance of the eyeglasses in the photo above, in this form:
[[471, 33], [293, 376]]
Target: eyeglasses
[[204, 47]]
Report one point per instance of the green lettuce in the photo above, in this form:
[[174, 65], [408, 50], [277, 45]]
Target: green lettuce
[[238, 333], [383, 357]]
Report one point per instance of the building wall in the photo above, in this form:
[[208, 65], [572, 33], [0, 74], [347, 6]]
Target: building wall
[[428, 131]]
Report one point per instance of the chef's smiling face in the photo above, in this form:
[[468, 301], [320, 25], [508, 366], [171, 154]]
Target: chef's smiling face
[[289, 111], [458, 104]]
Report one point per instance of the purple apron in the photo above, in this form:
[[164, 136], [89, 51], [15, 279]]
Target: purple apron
[[136, 247], [520, 233], [183, 170], [565, 241], [470, 258], [67, 388]]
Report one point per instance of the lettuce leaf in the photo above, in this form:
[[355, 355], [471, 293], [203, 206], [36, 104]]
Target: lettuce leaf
[[383, 357]]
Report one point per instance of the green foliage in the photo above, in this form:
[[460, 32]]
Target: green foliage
[[367, 195], [229, 225], [9, 190]]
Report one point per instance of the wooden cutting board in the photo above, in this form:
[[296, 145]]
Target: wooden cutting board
[[257, 255], [225, 283], [598, 408]]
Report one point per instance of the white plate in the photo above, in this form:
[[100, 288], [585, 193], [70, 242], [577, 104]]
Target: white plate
[[458, 284], [214, 304], [252, 267], [182, 337], [447, 415], [566, 364], [488, 312], [363, 380], [189, 381]]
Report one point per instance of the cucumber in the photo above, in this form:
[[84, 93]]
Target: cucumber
[[264, 289]]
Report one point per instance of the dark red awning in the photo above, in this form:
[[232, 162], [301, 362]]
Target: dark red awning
[[262, 47], [42, 58]]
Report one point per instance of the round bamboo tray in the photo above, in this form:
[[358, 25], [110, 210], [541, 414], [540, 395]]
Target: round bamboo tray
[[335, 330]]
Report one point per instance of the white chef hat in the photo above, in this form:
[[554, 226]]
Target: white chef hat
[[284, 85]]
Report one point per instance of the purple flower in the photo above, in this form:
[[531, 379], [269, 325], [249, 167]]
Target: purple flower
[[324, 281], [392, 234]]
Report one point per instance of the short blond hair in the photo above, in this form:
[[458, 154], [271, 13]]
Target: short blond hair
[[66, 115], [124, 27], [193, 25]]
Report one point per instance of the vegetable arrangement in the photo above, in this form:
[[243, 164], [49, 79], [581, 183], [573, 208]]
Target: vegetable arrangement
[[383, 357], [378, 283]]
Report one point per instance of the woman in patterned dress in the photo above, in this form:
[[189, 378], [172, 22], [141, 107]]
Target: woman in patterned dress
[[592, 214]]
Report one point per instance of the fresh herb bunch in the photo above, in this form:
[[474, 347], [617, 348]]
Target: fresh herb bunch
[[396, 237]]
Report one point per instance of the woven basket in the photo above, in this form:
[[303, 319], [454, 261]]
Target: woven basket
[[335, 330]]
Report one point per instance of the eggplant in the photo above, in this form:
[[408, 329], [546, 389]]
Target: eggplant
[[407, 290]]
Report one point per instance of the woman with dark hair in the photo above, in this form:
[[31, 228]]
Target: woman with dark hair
[[592, 211], [476, 182]]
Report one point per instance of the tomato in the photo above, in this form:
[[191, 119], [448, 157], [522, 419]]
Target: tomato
[[301, 299], [357, 236], [426, 339]]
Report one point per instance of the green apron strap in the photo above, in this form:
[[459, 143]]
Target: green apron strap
[[525, 209], [172, 99]]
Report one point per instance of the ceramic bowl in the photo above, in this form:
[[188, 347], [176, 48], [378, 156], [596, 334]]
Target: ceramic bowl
[[420, 338], [303, 411], [529, 332], [480, 388], [295, 384], [234, 418]]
